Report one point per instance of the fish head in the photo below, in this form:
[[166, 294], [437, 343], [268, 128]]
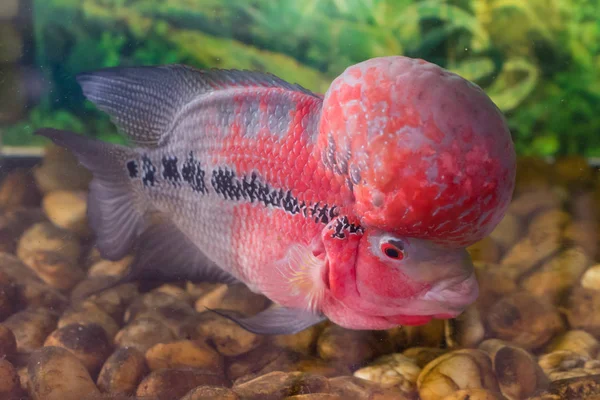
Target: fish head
[[379, 280], [428, 153]]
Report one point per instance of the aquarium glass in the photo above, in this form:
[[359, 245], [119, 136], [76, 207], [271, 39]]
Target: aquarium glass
[[371, 219], [538, 60]]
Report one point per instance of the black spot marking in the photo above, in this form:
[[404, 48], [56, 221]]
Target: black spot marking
[[194, 175], [170, 171], [132, 168], [342, 226], [149, 170], [250, 188], [225, 184]]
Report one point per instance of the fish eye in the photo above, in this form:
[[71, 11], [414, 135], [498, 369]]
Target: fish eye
[[393, 249]]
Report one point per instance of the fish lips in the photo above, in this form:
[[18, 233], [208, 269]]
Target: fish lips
[[446, 300], [454, 294]]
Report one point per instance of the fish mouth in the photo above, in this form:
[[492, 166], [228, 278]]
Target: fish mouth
[[455, 295], [445, 301]]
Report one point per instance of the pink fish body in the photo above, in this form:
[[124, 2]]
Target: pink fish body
[[355, 206]]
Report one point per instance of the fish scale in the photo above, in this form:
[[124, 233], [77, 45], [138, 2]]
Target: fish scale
[[355, 206], [230, 233]]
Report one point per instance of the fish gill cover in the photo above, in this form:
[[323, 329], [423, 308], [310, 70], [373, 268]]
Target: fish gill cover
[[537, 60]]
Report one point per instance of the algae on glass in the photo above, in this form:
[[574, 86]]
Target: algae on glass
[[538, 60]]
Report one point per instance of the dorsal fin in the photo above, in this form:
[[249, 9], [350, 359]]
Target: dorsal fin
[[143, 101]]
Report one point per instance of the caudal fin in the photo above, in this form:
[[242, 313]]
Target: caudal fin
[[115, 210]]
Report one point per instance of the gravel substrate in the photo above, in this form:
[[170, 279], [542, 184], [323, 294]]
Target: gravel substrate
[[533, 333]]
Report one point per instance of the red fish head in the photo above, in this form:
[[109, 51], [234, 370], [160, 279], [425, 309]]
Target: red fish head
[[428, 153], [379, 280]]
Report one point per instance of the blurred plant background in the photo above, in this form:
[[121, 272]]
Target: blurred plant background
[[539, 60]]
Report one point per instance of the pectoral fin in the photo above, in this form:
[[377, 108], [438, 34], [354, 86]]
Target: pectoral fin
[[275, 320]]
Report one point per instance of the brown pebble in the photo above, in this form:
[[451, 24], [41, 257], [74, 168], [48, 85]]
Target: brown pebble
[[144, 333], [276, 385], [591, 278], [14, 223], [534, 174], [227, 336], [235, 297], [29, 290], [350, 387], [555, 277], [583, 310], [263, 359], [572, 170], [302, 342], [122, 371], [423, 355], [149, 302], [184, 353], [37, 294], [526, 205], [317, 366], [507, 232], [572, 373], [110, 268], [88, 313], [468, 329], [392, 370], [23, 377], [583, 234], [92, 256], [169, 310], [583, 387], [519, 376], [210, 393], [334, 344], [485, 250], [531, 250], [90, 286], [45, 236], [315, 396], [18, 189], [174, 291], [550, 221], [174, 383], [89, 343], [562, 361], [460, 369], [495, 282], [115, 300], [198, 289], [68, 210], [432, 334], [578, 341], [8, 342], [8, 298], [10, 385], [60, 170], [31, 327], [56, 374], [525, 320], [474, 394], [54, 268]]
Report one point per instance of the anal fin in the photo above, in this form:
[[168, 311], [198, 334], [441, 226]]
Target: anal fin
[[164, 253], [275, 320]]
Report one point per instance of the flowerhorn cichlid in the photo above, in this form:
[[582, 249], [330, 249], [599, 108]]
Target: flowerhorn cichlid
[[354, 206]]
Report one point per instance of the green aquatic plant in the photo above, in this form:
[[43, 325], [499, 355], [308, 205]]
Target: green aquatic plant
[[537, 59]]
